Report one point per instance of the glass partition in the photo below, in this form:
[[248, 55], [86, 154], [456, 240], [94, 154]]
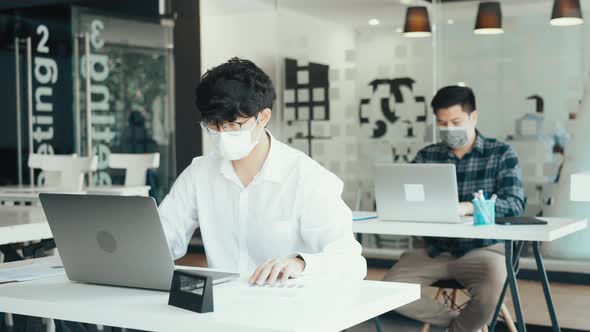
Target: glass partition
[[75, 80], [354, 89], [131, 106]]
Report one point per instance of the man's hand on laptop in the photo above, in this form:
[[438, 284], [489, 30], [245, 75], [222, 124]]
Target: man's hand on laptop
[[465, 209], [277, 269]]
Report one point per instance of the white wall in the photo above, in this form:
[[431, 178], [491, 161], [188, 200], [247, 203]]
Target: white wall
[[308, 39], [531, 57], [228, 31], [267, 35], [382, 53]]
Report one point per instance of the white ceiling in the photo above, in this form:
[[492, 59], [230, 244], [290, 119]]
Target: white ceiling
[[352, 12], [357, 13]]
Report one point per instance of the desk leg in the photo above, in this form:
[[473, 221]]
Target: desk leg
[[359, 238], [510, 263], [498, 307], [378, 324], [546, 289]]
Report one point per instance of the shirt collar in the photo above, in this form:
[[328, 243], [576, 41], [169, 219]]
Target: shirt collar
[[479, 142], [274, 169], [275, 166]]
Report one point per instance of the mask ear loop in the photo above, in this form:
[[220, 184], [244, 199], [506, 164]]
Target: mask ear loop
[[256, 125]]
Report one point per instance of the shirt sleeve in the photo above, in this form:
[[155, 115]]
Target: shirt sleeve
[[419, 159], [178, 213], [326, 228], [510, 201]]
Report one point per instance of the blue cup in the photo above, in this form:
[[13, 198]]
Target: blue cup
[[484, 212]]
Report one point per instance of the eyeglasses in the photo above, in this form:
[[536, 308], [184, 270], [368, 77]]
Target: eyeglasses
[[232, 128]]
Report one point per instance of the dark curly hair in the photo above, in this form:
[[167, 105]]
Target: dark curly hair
[[235, 88]]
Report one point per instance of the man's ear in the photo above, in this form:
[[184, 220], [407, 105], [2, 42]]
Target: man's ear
[[474, 116], [265, 116]]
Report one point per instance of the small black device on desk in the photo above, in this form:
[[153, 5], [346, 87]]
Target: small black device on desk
[[191, 291], [520, 221]]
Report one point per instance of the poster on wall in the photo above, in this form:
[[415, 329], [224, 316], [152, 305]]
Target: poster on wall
[[394, 115], [307, 100]]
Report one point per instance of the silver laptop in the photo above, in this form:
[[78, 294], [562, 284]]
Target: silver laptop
[[113, 240], [417, 192]]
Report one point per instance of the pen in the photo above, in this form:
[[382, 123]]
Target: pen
[[364, 218]]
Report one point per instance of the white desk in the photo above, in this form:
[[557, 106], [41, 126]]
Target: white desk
[[119, 190], [513, 236], [23, 194], [555, 229], [321, 308], [26, 194], [23, 224]]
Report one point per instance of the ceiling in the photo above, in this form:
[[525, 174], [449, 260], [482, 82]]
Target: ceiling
[[352, 12], [357, 13], [391, 13]]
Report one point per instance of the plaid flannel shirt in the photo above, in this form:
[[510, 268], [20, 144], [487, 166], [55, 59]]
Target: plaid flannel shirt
[[491, 166]]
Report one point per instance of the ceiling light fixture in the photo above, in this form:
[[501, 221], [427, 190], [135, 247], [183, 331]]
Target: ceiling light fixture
[[417, 22], [489, 19], [566, 13]]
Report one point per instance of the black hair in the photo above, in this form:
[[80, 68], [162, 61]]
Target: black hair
[[454, 95], [235, 88]]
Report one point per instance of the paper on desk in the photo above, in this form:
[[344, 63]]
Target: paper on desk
[[31, 272]]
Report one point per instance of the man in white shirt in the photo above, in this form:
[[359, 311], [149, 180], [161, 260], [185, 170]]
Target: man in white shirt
[[264, 209]]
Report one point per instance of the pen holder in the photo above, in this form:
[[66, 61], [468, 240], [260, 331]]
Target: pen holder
[[484, 212]]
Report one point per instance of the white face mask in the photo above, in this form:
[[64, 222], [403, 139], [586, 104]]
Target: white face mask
[[236, 146]]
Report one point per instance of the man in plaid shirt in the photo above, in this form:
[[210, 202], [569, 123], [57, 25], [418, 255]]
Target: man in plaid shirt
[[482, 164]]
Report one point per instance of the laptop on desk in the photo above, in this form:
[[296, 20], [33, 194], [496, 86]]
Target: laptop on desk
[[417, 193], [113, 240]]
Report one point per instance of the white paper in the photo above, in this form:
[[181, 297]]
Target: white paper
[[31, 272]]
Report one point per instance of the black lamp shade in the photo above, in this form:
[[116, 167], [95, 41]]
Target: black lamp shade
[[417, 22], [566, 13], [489, 19]]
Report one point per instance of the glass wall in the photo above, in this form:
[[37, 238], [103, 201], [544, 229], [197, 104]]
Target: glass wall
[[36, 66], [354, 90], [85, 81], [131, 68]]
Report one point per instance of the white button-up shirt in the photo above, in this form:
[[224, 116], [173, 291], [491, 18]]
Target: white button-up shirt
[[292, 207]]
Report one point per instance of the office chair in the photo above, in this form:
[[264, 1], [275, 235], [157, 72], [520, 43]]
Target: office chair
[[448, 291], [135, 165]]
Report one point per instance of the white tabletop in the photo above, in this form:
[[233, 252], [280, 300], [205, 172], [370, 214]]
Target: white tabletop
[[555, 229], [31, 194], [23, 193], [323, 306], [23, 224], [119, 190]]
